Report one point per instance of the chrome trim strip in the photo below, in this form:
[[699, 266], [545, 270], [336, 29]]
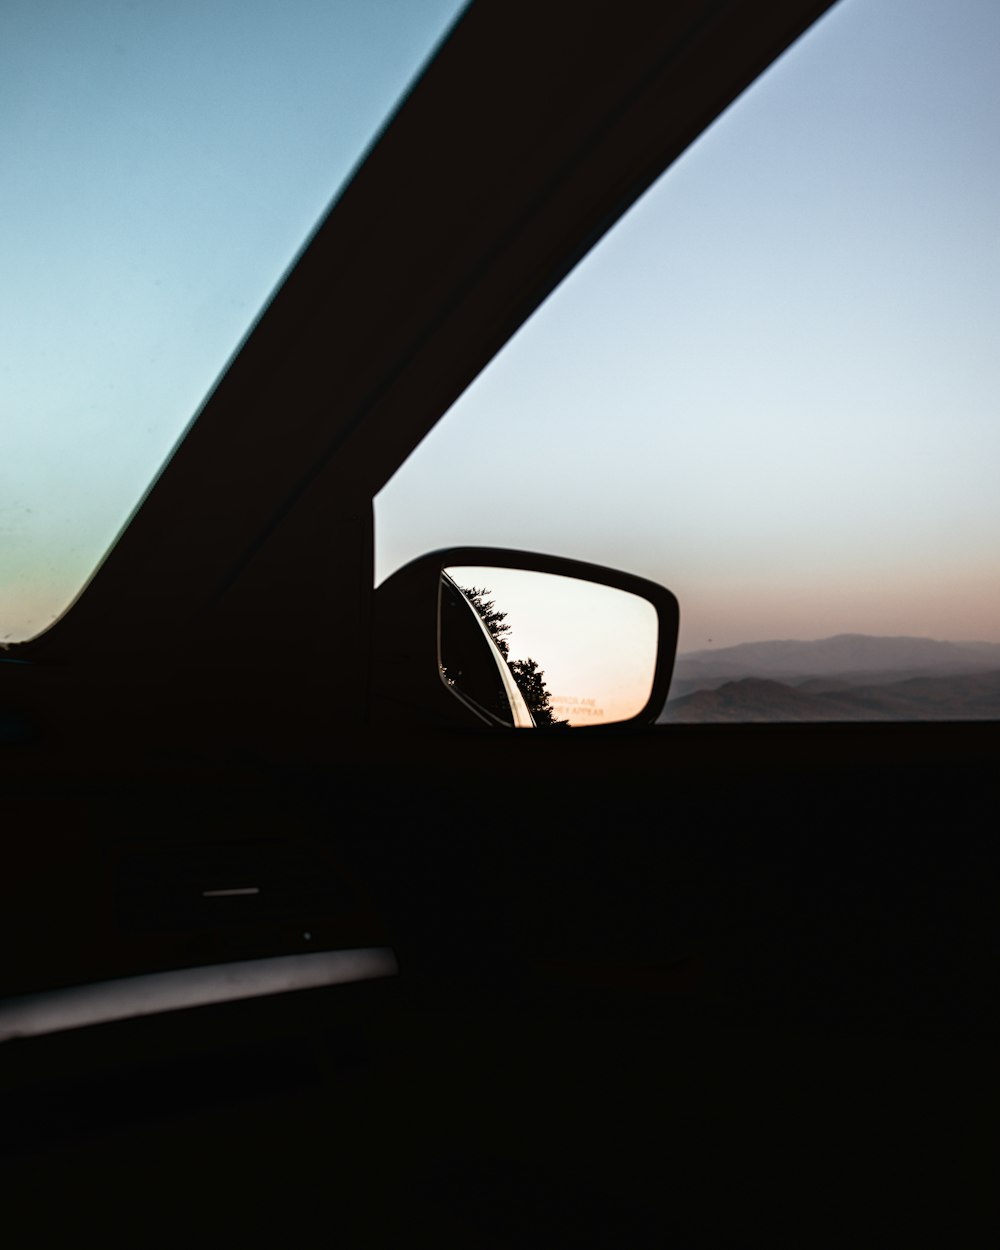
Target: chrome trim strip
[[76, 1006]]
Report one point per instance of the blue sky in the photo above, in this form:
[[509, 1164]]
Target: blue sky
[[161, 164], [773, 387]]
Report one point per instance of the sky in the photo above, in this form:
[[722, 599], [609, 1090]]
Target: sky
[[161, 165], [774, 386]]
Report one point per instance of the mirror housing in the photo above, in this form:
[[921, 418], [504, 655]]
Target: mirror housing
[[414, 683]]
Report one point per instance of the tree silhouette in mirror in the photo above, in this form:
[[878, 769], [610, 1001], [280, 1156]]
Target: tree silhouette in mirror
[[492, 619], [467, 663], [529, 677]]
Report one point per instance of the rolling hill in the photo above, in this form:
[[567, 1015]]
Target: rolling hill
[[849, 677], [852, 658]]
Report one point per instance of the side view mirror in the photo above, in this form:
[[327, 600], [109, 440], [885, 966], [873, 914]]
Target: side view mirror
[[511, 639]]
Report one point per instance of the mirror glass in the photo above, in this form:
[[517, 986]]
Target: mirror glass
[[528, 649]]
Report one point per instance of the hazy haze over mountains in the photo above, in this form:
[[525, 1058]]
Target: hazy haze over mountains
[[845, 677], [844, 655]]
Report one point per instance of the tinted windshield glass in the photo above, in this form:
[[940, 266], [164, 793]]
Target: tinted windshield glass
[[161, 165]]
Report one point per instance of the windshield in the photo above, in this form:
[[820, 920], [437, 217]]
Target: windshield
[[161, 167]]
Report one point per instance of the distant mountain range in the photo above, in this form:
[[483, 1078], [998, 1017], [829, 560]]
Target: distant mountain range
[[846, 677]]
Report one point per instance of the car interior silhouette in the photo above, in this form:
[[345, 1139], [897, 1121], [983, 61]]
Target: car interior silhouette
[[297, 942]]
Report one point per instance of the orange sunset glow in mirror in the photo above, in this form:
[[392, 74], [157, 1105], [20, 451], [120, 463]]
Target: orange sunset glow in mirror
[[581, 653]]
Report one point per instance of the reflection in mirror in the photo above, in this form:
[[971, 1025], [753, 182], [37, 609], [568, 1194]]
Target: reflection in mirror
[[473, 656], [527, 649]]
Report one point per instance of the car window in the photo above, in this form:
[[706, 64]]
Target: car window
[[162, 165], [773, 388]]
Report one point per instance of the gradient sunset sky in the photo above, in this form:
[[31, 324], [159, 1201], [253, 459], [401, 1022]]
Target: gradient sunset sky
[[161, 166], [774, 387]]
